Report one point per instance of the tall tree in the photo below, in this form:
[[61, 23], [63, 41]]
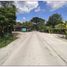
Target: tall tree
[[37, 22], [54, 20], [7, 16]]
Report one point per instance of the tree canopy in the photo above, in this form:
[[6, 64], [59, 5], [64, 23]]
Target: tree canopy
[[37, 22], [54, 20], [7, 16]]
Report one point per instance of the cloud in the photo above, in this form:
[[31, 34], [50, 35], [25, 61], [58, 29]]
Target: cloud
[[19, 20], [24, 18], [37, 9], [54, 0], [25, 6], [54, 5], [29, 5]]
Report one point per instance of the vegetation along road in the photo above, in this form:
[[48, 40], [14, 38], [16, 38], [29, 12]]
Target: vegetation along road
[[35, 48], [39, 42]]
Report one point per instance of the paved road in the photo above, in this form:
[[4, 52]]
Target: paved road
[[38, 49]]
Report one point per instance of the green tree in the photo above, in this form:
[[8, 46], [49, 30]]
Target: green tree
[[27, 24], [66, 29], [37, 22], [7, 16], [60, 26], [54, 20]]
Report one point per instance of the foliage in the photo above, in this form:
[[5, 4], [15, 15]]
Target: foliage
[[37, 23], [54, 20], [60, 26], [7, 17], [4, 41]]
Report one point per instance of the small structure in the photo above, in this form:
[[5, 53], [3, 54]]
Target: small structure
[[24, 29], [19, 27]]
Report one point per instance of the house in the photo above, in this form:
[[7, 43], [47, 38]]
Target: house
[[24, 29]]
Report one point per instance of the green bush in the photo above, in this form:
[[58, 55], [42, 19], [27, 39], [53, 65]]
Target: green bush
[[4, 41], [66, 33]]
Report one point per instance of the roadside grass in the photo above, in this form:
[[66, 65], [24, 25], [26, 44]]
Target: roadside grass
[[4, 41]]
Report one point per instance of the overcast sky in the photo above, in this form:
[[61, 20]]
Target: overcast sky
[[28, 9]]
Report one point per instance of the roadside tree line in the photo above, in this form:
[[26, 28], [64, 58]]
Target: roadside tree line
[[55, 24], [7, 17]]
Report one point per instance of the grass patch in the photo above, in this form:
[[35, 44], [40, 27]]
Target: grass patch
[[4, 41]]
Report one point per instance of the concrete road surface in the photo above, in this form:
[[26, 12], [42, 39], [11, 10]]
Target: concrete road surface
[[35, 48]]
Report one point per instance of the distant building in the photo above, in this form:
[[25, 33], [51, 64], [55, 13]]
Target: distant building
[[23, 29]]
